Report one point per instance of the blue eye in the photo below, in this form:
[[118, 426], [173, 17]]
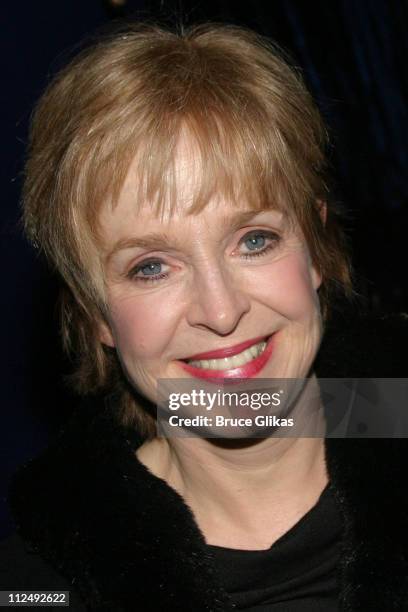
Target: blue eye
[[256, 241], [150, 269], [259, 242]]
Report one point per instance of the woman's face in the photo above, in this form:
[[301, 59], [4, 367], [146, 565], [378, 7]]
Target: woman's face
[[182, 285]]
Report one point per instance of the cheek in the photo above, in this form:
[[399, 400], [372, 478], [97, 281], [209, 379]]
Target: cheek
[[143, 325], [287, 287]]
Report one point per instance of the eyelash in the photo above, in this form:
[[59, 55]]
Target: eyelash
[[273, 236]]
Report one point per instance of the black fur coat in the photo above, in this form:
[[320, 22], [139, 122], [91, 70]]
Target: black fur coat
[[93, 520]]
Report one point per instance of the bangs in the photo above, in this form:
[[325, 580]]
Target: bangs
[[191, 159], [245, 145]]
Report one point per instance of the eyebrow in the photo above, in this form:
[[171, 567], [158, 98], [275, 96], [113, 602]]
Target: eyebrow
[[161, 240]]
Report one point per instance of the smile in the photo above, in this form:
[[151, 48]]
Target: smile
[[227, 363], [241, 361]]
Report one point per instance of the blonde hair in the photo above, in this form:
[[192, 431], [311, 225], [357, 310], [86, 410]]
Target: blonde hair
[[127, 96]]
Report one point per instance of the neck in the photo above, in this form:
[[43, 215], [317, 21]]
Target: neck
[[235, 489]]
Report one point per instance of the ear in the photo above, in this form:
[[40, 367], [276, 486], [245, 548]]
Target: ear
[[105, 334], [316, 277], [322, 208]]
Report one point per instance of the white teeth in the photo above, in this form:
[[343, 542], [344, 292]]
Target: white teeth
[[254, 351], [248, 355], [238, 360], [229, 363]]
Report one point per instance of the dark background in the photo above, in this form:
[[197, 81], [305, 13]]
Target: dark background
[[354, 56]]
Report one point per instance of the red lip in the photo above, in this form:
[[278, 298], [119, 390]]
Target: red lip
[[248, 370], [227, 352]]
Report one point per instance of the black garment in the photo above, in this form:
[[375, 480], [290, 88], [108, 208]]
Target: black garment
[[123, 540], [21, 569], [298, 573]]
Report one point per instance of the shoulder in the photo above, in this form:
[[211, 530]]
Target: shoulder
[[22, 569]]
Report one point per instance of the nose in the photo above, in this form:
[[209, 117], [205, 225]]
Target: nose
[[216, 304]]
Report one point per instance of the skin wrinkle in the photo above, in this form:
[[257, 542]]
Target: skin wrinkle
[[160, 240]]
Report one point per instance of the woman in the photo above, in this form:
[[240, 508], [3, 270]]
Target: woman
[[177, 183]]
